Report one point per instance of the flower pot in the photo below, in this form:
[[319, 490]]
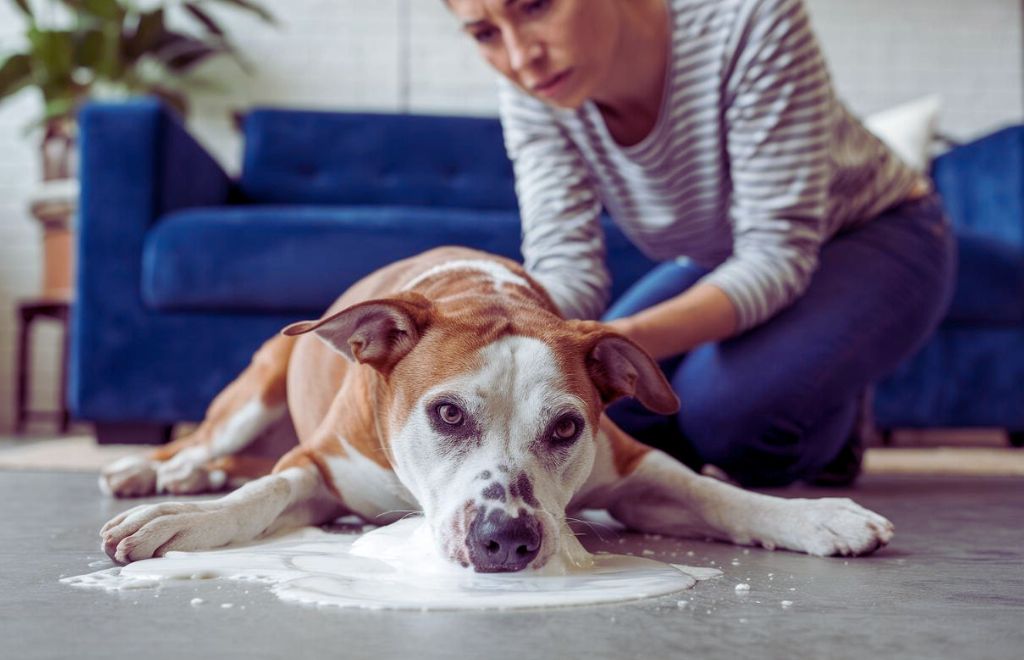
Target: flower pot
[[54, 204]]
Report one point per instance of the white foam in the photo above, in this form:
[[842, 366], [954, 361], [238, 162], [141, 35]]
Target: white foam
[[394, 568]]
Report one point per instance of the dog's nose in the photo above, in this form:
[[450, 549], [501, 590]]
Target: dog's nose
[[499, 543]]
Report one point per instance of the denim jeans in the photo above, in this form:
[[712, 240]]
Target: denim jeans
[[776, 403]]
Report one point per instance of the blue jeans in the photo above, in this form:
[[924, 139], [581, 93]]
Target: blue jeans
[[776, 403]]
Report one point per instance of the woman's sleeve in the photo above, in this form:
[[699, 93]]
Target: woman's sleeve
[[779, 114], [563, 243]]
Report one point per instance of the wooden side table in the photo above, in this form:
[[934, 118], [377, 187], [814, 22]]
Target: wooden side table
[[53, 203], [29, 311]]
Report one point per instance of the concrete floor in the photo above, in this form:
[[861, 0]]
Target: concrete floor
[[950, 586]]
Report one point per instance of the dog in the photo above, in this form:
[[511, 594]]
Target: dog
[[448, 383]]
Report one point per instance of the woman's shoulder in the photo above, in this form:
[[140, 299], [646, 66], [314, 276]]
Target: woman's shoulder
[[736, 13], [697, 9]]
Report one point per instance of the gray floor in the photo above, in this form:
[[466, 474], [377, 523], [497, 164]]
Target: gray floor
[[951, 586]]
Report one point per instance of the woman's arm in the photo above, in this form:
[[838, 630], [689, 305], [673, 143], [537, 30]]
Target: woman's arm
[[563, 243], [703, 313], [780, 115], [780, 109]]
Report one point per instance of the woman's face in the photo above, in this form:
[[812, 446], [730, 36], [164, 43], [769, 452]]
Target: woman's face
[[559, 51]]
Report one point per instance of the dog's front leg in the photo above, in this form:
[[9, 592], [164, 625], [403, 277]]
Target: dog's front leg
[[661, 495], [292, 497]]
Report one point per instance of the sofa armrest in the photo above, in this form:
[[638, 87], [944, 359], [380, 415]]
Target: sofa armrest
[[137, 163]]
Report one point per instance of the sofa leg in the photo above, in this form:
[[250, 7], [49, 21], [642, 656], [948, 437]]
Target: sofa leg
[[1016, 438], [132, 433]]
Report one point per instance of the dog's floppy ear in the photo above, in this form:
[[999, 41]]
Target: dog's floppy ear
[[619, 368], [377, 332]]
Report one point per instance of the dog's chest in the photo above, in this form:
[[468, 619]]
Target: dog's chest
[[367, 489]]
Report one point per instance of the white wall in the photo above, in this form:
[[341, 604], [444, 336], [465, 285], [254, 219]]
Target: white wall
[[885, 51], [19, 238], [396, 55]]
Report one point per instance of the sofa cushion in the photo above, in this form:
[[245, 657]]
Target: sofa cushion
[[283, 259], [300, 157]]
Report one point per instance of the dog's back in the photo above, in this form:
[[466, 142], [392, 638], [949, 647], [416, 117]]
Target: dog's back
[[292, 381]]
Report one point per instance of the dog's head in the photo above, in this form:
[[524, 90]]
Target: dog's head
[[490, 417]]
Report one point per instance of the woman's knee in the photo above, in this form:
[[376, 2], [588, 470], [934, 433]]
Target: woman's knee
[[723, 404], [762, 445]]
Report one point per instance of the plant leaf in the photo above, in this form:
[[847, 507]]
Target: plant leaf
[[204, 17], [15, 74], [174, 46], [252, 7], [60, 107], [107, 9], [91, 49], [25, 7], [150, 35], [53, 53], [188, 56]]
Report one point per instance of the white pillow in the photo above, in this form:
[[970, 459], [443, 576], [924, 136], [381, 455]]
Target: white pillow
[[909, 129]]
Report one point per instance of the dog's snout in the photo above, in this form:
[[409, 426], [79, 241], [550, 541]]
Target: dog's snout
[[499, 543]]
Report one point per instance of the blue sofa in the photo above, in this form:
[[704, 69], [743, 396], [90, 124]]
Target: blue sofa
[[183, 271], [971, 373]]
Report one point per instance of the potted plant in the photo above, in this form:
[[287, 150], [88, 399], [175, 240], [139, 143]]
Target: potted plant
[[77, 50]]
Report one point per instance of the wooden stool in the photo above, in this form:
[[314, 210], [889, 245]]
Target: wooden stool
[[28, 311]]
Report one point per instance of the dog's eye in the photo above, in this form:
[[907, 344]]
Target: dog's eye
[[450, 414], [566, 429]]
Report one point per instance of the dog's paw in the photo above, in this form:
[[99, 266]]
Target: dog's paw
[[151, 530], [131, 476], [835, 526], [187, 479]]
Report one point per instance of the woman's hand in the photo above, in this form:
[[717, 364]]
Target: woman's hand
[[624, 327], [702, 313]]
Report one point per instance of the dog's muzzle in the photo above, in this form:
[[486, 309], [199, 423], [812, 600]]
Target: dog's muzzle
[[499, 543]]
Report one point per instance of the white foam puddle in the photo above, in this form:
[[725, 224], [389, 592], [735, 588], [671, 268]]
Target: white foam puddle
[[394, 568]]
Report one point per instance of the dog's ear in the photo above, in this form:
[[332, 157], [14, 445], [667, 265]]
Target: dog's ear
[[377, 332], [619, 368]]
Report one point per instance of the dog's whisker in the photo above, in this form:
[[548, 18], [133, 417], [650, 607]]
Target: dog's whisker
[[408, 513], [592, 525]]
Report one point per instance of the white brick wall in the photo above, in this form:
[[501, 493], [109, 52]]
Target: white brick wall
[[19, 240], [883, 52], [396, 55]]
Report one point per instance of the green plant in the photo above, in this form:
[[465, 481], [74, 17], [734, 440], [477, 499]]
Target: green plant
[[115, 46]]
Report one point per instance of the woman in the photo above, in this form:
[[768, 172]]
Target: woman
[[802, 260]]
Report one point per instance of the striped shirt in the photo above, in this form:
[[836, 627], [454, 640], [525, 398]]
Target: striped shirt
[[753, 163]]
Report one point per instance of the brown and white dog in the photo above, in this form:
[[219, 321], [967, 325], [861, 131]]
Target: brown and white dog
[[448, 383]]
